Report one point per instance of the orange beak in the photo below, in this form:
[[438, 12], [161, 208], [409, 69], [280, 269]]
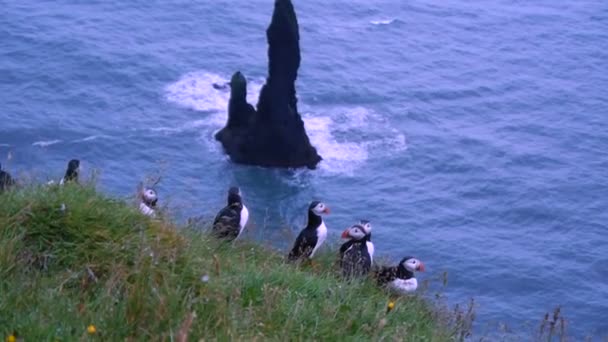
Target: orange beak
[[326, 210], [345, 233], [421, 267]]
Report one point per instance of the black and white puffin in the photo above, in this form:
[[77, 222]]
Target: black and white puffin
[[6, 181], [356, 260], [313, 235], [400, 279], [232, 219], [71, 174], [149, 198], [367, 228]]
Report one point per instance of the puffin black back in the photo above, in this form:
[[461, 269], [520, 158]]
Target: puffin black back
[[6, 181]]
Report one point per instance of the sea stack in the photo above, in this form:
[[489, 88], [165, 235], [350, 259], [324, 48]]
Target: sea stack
[[274, 135]]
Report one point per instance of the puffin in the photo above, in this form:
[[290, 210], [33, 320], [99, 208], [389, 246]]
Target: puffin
[[313, 235], [71, 174], [232, 219], [400, 279], [147, 206], [6, 181], [356, 260], [367, 228]]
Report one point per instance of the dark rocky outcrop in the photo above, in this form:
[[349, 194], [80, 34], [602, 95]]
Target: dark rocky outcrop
[[274, 135]]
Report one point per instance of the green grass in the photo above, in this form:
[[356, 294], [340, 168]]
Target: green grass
[[100, 262]]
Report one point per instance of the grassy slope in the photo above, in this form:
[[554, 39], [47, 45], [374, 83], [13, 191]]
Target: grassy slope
[[100, 262]]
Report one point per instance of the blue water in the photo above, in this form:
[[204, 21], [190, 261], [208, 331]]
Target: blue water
[[473, 134]]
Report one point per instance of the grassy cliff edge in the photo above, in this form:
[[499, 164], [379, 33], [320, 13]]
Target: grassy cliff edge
[[76, 264]]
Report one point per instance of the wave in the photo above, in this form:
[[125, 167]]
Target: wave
[[46, 143], [382, 21], [345, 136], [187, 126], [89, 138]]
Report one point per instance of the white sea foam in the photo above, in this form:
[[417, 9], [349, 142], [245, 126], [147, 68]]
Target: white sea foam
[[382, 21], [46, 143], [90, 138], [344, 136], [187, 126], [195, 90], [350, 135], [5, 145], [337, 155]]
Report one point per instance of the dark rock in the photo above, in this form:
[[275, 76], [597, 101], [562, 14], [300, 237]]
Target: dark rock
[[274, 135], [221, 86]]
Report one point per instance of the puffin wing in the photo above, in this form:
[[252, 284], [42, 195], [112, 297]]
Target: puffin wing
[[385, 274], [345, 246], [356, 260], [304, 245], [226, 223], [6, 180]]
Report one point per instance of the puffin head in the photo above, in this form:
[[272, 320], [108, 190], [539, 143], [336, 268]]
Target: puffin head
[[149, 197], [318, 208], [367, 226], [356, 232], [411, 264], [74, 166], [73, 169], [234, 195]]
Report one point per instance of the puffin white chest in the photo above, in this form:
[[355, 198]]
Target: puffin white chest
[[321, 236], [370, 250], [244, 218], [403, 286], [144, 209]]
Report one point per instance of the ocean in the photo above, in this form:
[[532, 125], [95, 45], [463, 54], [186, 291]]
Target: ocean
[[473, 134]]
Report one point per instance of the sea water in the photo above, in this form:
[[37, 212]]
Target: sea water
[[474, 135]]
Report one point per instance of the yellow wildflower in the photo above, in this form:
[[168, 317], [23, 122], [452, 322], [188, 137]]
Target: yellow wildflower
[[391, 306], [91, 329], [11, 338]]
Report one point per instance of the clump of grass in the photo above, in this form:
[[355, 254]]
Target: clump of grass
[[553, 327], [75, 263]]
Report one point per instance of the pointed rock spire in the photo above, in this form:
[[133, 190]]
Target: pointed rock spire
[[274, 135]]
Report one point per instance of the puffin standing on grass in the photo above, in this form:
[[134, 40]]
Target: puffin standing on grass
[[232, 219], [367, 228], [147, 206], [356, 260], [6, 181], [313, 235], [71, 174], [400, 279]]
